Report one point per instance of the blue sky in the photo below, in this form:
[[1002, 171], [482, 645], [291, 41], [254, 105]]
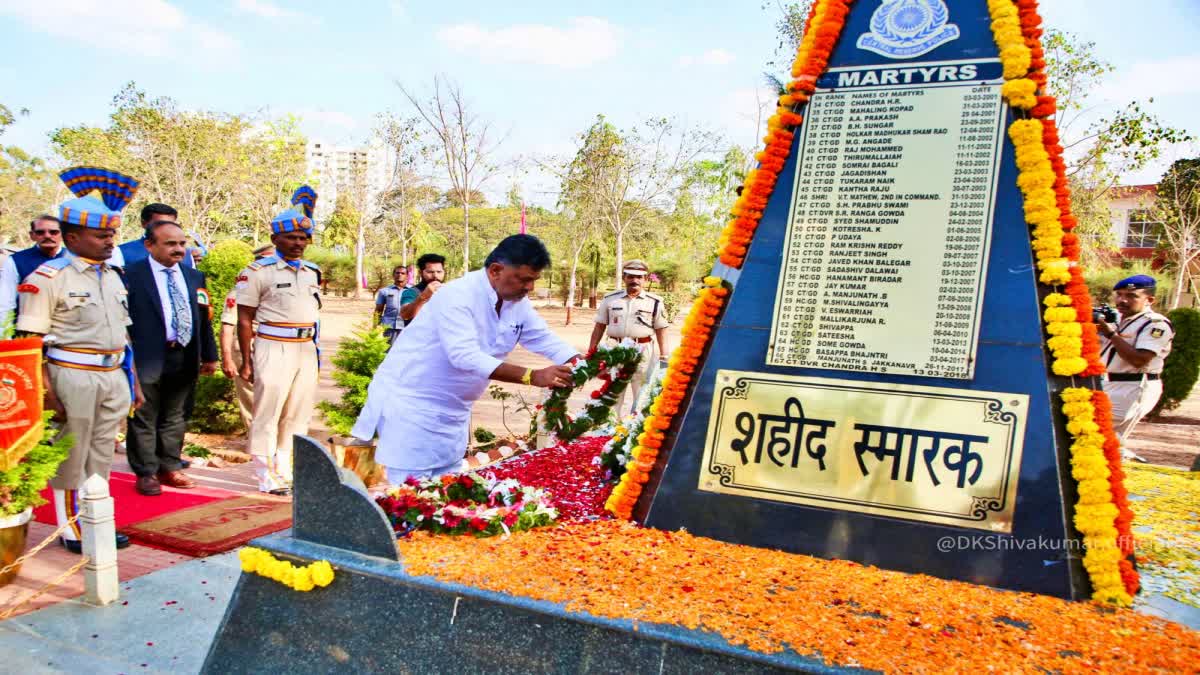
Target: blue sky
[[542, 70]]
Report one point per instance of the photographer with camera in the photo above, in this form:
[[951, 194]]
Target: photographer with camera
[[1133, 352]]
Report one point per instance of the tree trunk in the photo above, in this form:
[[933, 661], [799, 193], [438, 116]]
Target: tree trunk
[[571, 287], [359, 248], [620, 255], [1180, 280], [466, 234]]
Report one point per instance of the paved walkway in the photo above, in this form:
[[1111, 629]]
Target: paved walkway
[[163, 623]]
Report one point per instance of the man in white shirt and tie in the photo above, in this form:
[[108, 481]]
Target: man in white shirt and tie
[[445, 358], [173, 340]]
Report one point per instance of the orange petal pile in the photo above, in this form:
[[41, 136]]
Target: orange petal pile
[[769, 601]]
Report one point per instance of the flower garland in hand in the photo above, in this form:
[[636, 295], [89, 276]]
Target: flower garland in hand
[[614, 366], [466, 503]]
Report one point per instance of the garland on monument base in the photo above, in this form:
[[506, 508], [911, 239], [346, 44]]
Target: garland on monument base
[[1102, 514], [304, 578]]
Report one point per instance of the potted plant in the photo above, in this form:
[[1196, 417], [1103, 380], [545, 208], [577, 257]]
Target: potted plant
[[20, 491]]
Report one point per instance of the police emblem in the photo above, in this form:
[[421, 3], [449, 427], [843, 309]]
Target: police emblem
[[903, 29], [1157, 332]]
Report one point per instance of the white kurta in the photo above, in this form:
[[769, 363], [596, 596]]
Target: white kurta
[[419, 402]]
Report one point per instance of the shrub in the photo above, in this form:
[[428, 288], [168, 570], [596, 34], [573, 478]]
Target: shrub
[[222, 264], [354, 364], [1182, 367], [1100, 280], [21, 486], [215, 410]]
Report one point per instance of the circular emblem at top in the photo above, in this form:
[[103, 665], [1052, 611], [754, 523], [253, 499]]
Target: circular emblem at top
[[904, 29]]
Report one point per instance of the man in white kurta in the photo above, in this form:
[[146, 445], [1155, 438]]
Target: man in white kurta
[[419, 402]]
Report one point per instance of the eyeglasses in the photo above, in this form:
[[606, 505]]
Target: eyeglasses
[[50, 232]]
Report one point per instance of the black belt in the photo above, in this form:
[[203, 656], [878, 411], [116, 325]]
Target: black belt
[[1131, 377]]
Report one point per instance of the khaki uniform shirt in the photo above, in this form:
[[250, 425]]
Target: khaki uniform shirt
[[74, 306], [631, 317], [1148, 330], [280, 292]]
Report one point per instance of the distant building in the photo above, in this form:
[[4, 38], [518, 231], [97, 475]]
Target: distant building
[[1134, 226], [336, 168]]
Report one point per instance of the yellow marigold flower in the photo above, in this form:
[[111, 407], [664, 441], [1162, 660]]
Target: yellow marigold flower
[[1057, 300], [322, 573], [1058, 315], [302, 579], [1069, 366], [1071, 328], [1020, 93]]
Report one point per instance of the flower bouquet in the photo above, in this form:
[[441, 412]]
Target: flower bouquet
[[466, 503]]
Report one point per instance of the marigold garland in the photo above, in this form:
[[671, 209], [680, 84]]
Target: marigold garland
[[697, 328], [1102, 514], [821, 34], [304, 579]]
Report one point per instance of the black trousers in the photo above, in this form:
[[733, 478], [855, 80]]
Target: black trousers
[[155, 439]]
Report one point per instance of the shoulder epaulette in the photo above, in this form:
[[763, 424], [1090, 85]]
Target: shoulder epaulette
[[615, 293], [263, 262], [311, 265], [51, 268], [652, 296]]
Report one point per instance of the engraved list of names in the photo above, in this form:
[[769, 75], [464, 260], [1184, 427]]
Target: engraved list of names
[[890, 225]]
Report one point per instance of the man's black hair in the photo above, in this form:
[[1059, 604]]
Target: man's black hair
[[430, 258], [151, 210], [520, 249], [149, 236], [45, 216], [68, 228]]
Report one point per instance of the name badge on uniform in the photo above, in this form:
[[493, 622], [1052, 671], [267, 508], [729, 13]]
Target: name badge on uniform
[[79, 294], [287, 285]]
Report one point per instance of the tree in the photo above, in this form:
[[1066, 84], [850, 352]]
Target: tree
[[619, 176], [274, 167], [406, 194], [466, 141], [1178, 209], [202, 163], [26, 184]]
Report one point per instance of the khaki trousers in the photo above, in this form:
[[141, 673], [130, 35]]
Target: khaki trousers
[[285, 386], [96, 402], [244, 390], [649, 355]]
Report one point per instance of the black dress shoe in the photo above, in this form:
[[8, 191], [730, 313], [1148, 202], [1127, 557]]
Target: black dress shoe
[[183, 463], [76, 546], [281, 492]]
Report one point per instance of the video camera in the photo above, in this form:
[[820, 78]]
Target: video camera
[[1105, 314]]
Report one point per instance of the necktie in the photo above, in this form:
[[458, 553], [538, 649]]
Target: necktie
[[181, 313]]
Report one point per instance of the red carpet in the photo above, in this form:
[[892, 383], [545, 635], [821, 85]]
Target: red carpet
[[132, 507]]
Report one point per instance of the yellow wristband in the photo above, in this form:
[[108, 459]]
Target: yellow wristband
[[527, 378]]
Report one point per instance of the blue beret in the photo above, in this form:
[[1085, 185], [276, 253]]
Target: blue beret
[[1135, 282]]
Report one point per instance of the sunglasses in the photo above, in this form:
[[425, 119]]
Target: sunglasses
[[51, 232]]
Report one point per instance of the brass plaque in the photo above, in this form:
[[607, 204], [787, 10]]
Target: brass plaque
[[947, 456]]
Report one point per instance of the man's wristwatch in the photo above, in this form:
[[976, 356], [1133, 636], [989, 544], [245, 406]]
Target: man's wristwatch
[[527, 378]]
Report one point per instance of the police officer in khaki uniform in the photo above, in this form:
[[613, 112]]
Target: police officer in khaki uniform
[[231, 356], [282, 295], [79, 304], [635, 314], [1133, 351]]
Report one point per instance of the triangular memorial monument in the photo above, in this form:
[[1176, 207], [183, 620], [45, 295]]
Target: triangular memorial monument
[[878, 387]]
